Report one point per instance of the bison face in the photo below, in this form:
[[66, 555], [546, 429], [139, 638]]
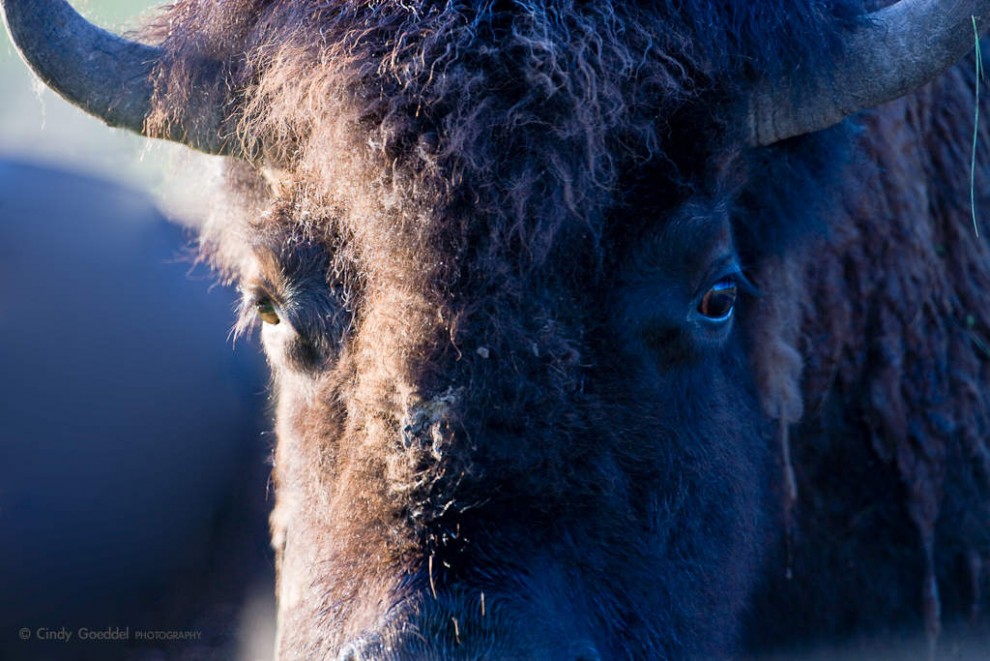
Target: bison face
[[568, 461]]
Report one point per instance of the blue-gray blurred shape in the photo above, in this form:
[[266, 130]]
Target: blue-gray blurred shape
[[130, 429]]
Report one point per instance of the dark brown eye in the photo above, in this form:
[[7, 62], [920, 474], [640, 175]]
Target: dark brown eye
[[266, 310], [719, 301]]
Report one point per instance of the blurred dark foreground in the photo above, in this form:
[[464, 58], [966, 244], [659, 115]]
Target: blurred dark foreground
[[132, 504]]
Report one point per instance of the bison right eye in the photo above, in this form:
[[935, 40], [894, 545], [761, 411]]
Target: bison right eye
[[718, 302], [266, 311]]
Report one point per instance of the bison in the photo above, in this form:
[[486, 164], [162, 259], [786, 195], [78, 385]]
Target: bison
[[598, 330]]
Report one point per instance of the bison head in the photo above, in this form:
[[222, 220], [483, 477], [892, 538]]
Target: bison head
[[524, 275]]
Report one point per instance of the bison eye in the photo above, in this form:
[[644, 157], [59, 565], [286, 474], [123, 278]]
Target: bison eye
[[718, 302], [266, 311]]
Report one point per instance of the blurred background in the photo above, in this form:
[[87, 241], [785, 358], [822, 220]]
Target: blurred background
[[37, 125], [134, 500]]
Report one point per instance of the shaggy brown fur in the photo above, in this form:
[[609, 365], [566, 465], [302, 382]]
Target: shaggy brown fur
[[896, 352], [463, 214]]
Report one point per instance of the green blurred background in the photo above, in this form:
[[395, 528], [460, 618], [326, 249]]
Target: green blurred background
[[35, 124]]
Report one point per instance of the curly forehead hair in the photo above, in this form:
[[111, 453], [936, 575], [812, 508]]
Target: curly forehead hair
[[529, 110]]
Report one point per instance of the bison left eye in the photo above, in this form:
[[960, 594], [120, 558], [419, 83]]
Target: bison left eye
[[718, 302], [266, 311]]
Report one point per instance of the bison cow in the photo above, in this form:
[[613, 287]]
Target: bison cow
[[598, 329]]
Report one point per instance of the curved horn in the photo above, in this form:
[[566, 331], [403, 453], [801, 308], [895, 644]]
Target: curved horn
[[101, 73], [892, 52]]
